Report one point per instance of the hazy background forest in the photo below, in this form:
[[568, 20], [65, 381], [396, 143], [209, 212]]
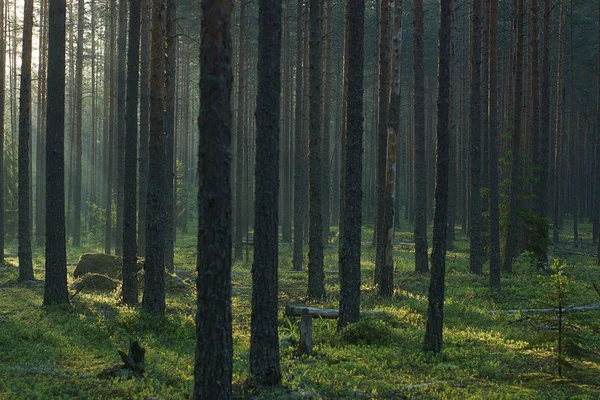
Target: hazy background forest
[[361, 199]]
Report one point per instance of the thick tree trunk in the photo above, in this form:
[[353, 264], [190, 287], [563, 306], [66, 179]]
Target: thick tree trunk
[[419, 171], [435, 310], [154, 285], [25, 262], [351, 210], [214, 343], [55, 291], [130, 286], [316, 286], [264, 340]]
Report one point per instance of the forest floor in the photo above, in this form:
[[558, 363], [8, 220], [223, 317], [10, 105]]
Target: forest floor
[[58, 353]]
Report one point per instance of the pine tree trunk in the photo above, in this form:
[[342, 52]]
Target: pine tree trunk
[[55, 290], [558, 146], [109, 152], [264, 340], [77, 145], [130, 285], [420, 184], [286, 123], [25, 262], [2, 104], [544, 164], [239, 198], [214, 343], [154, 285], [452, 127], [352, 164], [512, 235], [435, 310], [326, 117], [40, 193], [146, 39]]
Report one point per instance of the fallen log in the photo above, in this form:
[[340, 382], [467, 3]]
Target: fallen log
[[576, 253], [296, 311], [593, 307]]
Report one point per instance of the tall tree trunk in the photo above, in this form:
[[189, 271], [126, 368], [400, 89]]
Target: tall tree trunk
[[382, 136], [130, 285], [493, 159], [475, 202], [93, 161], [169, 145], [264, 340], [146, 40], [316, 286], [351, 212], [596, 205], [55, 290], [326, 117], [40, 194], [512, 235], [452, 127], [544, 164], [214, 343], [109, 128], [2, 104], [25, 262], [435, 310], [154, 285], [240, 136], [77, 146], [558, 146], [420, 184]]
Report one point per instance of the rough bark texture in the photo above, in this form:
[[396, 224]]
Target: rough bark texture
[[264, 339], [240, 136], [596, 206], [558, 126], [55, 290], [435, 310], [169, 146], [382, 136], [511, 243], [420, 184], [452, 126], [316, 286], [299, 153], [475, 202], [214, 344], [146, 40], [493, 131], [25, 262], [154, 284], [40, 194], [77, 145], [130, 284], [352, 165], [2, 101]]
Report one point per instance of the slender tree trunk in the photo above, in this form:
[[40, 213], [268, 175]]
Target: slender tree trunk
[[453, 172], [596, 205], [264, 340], [493, 159], [146, 40], [326, 118], [352, 167], [25, 262], [77, 146], [2, 106], [558, 146], [93, 161], [154, 285], [382, 137], [435, 310], [316, 286], [40, 209], [511, 243], [130, 286], [420, 184], [109, 128], [240, 136], [544, 164], [214, 343], [55, 291], [170, 127]]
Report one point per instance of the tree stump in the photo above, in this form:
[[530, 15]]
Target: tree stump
[[306, 332]]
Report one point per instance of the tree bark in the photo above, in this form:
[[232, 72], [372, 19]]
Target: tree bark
[[130, 285], [214, 343], [558, 146], [25, 261], [316, 286], [55, 290], [264, 340], [78, 121], [420, 184], [40, 194], [146, 40], [351, 210], [2, 106], [435, 311]]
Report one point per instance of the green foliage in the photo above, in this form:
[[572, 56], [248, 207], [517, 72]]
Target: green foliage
[[369, 330]]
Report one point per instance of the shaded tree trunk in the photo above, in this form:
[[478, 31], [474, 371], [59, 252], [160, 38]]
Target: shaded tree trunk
[[214, 343], [558, 146], [77, 145], [2, 104], [25, 262], [146, 40], [435, 310], [40, 194], [130, 285], [351, 210], [264, 340], [169, 146], [316, 286], [55, 290]]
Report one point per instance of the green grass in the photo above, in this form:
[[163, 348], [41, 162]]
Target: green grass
[[58, 353]]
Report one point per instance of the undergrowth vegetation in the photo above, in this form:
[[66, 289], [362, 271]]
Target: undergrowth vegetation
[[63, 353]]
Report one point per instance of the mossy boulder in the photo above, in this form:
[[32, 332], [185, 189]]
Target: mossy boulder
[[102, 264], [95, 282]]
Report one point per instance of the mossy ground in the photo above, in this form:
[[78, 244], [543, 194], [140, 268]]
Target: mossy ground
[[59, 353]]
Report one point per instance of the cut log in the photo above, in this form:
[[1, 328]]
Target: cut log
[[593, 307], [306, 333], [296, 311]]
